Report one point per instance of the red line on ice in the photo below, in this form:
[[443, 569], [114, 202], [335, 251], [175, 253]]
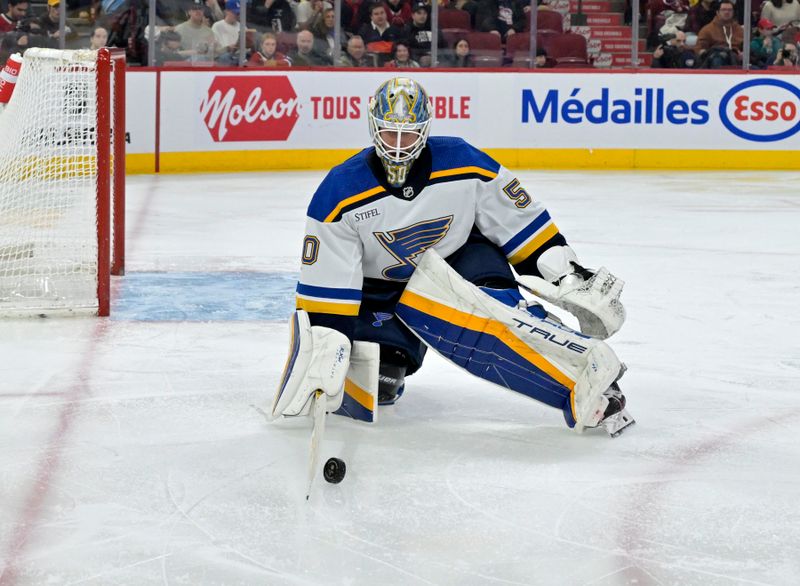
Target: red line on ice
[[50, 460], [631, 536]]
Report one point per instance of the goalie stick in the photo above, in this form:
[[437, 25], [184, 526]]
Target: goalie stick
[[317, 431], [319, 406]]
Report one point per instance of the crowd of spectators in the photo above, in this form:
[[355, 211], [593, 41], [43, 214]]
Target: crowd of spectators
[[684, 34], [373, 33], [709, 34]]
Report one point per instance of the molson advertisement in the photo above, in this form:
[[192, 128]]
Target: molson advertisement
[[253, 120]]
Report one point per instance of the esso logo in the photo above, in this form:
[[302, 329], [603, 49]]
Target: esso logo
[[249, 108], [761, 110]]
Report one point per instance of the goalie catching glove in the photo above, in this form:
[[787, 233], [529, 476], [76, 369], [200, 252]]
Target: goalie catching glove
[[318, 361], [592, 297]]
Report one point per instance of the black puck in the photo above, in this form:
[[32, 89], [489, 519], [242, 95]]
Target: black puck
[[334, 470]]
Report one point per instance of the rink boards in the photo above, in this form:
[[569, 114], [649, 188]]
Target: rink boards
[[233, 120]]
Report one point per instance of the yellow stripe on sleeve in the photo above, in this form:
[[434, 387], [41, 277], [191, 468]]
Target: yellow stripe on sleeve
[[489, 326], [533, 244], [327, 307]]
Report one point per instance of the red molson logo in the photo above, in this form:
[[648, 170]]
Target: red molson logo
[[250, 107]]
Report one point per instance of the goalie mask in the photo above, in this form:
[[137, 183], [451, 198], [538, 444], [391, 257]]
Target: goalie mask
[[399, 123]]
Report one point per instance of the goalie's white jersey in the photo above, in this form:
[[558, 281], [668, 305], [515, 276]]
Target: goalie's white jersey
[[359, 227]]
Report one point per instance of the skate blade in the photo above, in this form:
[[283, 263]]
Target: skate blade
[[617, 423]]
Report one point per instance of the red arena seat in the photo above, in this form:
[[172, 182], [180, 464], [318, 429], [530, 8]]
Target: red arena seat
[[567, 49], [546, 21], [452, 18], [287, 42]]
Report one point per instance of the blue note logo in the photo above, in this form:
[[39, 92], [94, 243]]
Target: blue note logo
[[381, 317], [407, 244]]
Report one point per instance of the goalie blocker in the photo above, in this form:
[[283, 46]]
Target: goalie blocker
[[322, 359], [510, 347]]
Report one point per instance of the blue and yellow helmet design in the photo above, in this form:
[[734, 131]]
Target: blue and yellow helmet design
[[399, 124]]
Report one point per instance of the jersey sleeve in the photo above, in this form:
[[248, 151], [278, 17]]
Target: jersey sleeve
[[515, 221], [331, 276]]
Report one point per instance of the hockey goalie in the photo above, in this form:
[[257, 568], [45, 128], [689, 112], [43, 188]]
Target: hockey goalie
[[410, 246]]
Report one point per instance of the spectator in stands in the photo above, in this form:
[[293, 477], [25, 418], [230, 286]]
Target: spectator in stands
[[168, 47], [542, 60], [719, 43], [462, 55], [791, 34], [99, 38], [10, 20], [379, 35], [315, 9], [401, 57], [48, 25], [302, 11], [305, 54], [355, 54], [113, 9], [781, 12], [500, 17], [419, 37], [673, 14], [197, 40], [323, 30], [398, 12], [700, 15], [362, 14], [274, 15], [8, 45], [764, 48], [213, 10], [269, 56], [226, 31], [787, 56], [12, 42], [672, 53]]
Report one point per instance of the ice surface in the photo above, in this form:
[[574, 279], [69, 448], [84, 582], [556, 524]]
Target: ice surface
[[129, 453]]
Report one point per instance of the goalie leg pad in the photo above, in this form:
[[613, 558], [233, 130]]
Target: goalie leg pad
[[510, 347], [318, 360], [360, 399]]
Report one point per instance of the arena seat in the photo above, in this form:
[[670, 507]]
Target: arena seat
[[484, 41], [567, 49], [453, 18], [546, 21], [287, 42], [486, 45], [518, 47]]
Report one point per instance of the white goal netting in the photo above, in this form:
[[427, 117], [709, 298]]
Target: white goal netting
[[48, 186]]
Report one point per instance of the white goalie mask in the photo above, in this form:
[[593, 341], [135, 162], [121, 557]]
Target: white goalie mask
[[399, 124]]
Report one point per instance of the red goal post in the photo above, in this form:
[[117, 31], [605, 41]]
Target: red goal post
[[62, 183]]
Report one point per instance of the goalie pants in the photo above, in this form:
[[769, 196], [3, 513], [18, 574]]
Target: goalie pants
[[479, 261]]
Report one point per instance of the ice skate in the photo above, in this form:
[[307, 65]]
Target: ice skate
[[616, 418]]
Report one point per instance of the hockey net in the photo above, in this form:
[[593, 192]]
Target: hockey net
[[62, 183]]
